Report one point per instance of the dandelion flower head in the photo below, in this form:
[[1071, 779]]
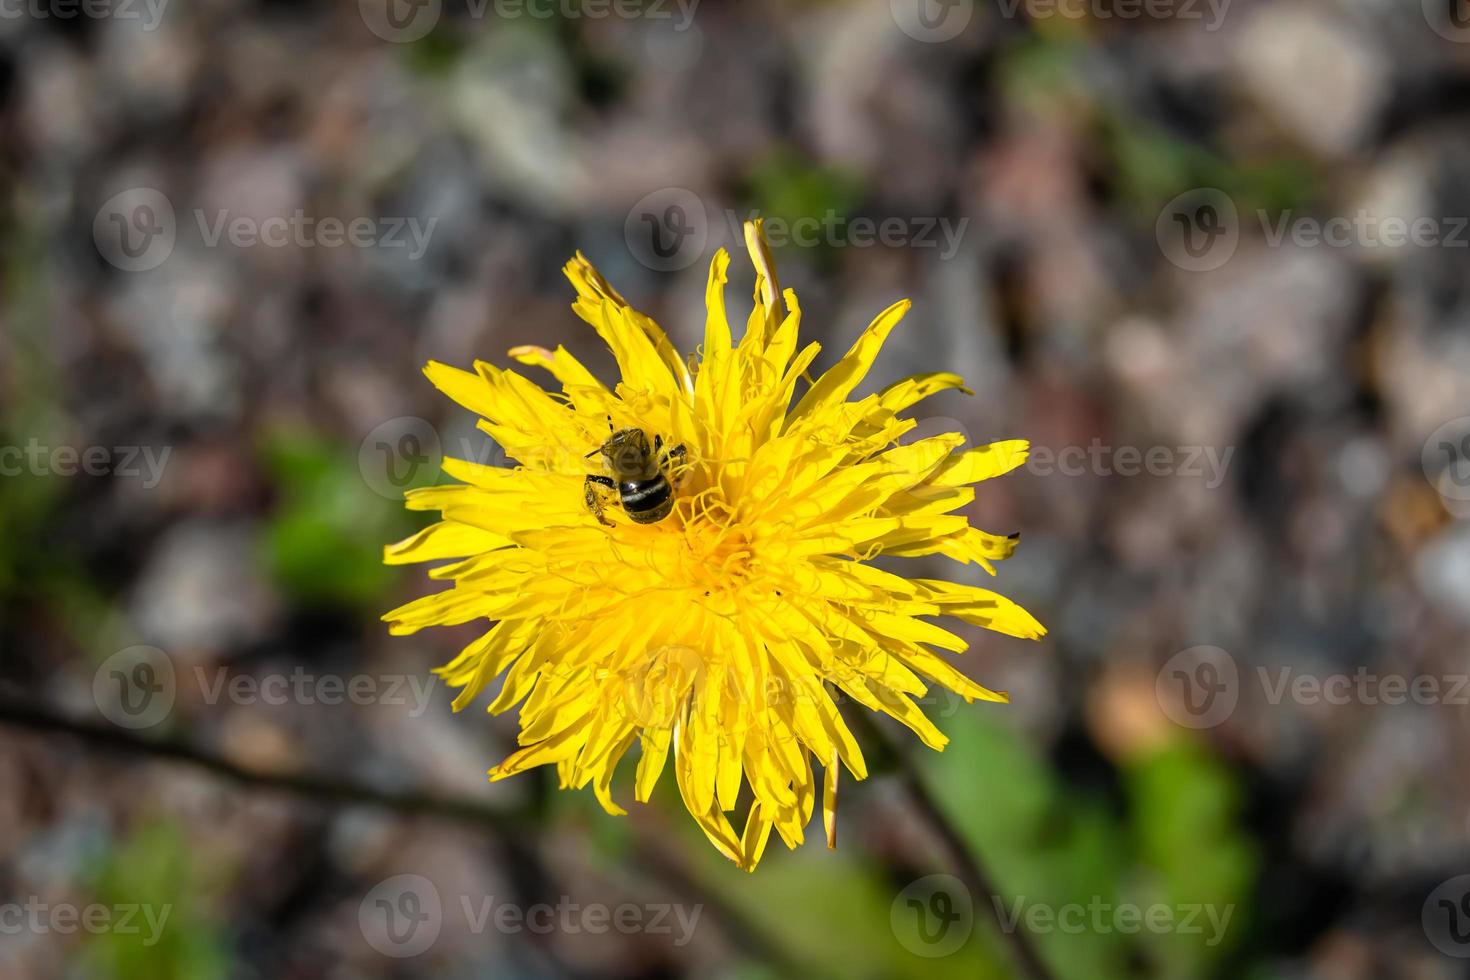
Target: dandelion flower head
[[721, 637]]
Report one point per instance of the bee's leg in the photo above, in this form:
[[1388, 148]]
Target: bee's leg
[[594, 499], [675, 455]]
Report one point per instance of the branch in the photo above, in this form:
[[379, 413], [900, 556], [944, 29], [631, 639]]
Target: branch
[[323, 789], [742, 932], [966, 862]]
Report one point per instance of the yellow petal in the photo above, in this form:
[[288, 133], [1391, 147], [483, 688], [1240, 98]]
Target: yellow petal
[[983, 462], [838, 382], [446, 539], [981, 607]]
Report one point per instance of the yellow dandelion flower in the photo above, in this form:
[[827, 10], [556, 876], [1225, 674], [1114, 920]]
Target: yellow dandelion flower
[[724, 625]]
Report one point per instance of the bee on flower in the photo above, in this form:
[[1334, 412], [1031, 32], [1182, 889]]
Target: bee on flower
[[683, 561]]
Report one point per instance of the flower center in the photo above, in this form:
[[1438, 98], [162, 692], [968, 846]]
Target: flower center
[[718, 553]]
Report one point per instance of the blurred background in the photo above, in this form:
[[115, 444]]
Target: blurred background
[[1209, 256]]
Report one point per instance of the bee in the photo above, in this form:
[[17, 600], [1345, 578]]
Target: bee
[[639, 476]]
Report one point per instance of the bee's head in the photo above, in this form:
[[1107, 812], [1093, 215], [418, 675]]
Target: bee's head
[[628, 453]]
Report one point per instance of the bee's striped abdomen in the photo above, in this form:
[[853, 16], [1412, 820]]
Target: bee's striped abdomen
[[646, 501]]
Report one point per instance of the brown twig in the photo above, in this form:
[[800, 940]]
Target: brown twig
[[742, 932], [968, 864]]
